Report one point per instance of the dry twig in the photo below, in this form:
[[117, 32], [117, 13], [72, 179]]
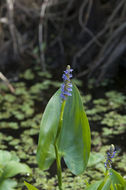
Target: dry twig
[[41, 33], [6, 81]]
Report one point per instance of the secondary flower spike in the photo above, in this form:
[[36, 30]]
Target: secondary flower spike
[[110, 154], [66, 87]]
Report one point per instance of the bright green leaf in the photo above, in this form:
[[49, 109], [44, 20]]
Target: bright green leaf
[[93, 186], [116, 178], [7, 184], [29, 186], [5, 156], [13, 168]]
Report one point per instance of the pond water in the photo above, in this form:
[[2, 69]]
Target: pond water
[[20, 116]]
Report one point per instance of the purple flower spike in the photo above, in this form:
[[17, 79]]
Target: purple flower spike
[[66, 87], [110, 154]]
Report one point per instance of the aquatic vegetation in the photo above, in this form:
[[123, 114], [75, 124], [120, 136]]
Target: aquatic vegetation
[[20, 135], [112, 179], [9, 167], [53, 131], [64, 131]]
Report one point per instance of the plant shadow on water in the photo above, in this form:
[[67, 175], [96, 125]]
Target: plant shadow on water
[[20, 116]]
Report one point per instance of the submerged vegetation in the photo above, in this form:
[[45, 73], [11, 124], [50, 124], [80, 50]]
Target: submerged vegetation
[[20, 116]]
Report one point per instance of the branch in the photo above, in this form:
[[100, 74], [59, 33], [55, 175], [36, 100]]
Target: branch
[[40, 34], [10, 6], [6, 81]]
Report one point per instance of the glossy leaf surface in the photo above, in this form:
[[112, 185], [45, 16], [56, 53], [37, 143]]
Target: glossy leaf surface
[[48, 129], [74, 141]]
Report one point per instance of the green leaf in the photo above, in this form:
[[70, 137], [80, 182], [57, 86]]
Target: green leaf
[[10, 166], [116, 178], [13, 168], [7, 184], [94, 186], [48, 130], [103, 183], [5, 156], [74, 140], [119, 187], [125, 185], [29, 186], [106, 185], [28, 74]]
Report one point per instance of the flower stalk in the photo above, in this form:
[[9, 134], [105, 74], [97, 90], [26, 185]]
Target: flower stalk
[[58, 157], [110, 154], [66, 89]]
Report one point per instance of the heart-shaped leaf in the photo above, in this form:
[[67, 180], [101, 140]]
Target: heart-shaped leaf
[[74, 139]]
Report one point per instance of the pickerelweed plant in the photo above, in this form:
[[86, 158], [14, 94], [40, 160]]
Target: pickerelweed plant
[[112, 180], [65, 133]]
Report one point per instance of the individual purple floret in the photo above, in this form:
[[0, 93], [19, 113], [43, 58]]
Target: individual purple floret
[[110, 154], [66, 87]]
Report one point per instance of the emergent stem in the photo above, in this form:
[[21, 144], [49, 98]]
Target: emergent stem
[[58, 158], [59, 169]]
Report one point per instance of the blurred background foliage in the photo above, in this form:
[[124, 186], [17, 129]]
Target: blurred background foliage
[[37, 40]]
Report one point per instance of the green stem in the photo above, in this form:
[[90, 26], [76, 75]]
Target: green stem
[[60, 121], [58, 158], [59, 169]]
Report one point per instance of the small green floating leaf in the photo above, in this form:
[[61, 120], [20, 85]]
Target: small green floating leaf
[[28, 74], [9, 98]]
